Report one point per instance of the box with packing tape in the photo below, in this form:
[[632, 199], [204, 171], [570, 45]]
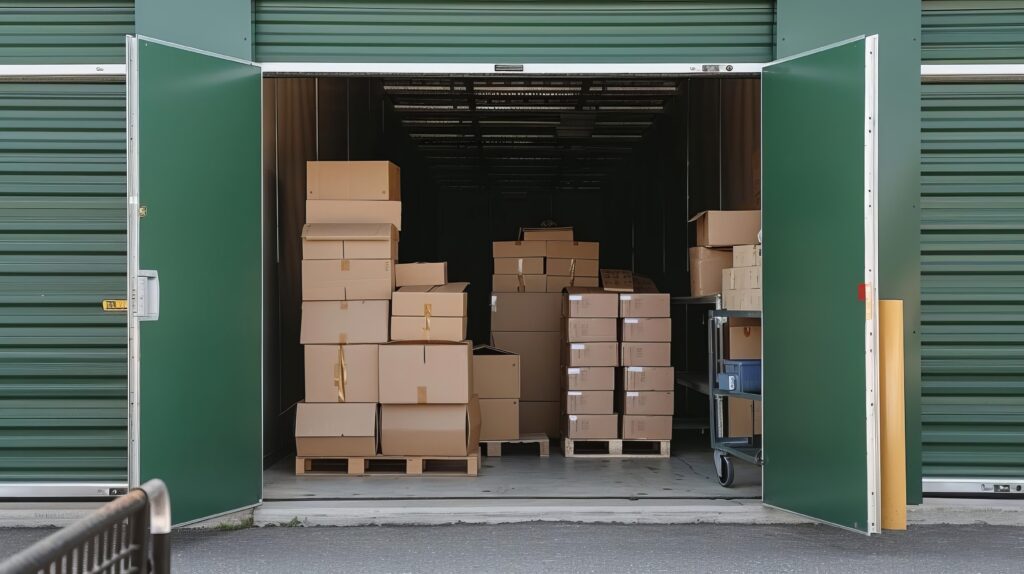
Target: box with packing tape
[[344, 322], [347, 279], [573, 267], [336, 429], [727, 228], [558, 283], [349, 241], [354, 211], [425, 373], [519, 283], [341, 373], [519, 266], [430, 430], [366, 180], [573, 250], [706, 265], [429, 313], [518, 249], [741, 299], [746, 256]]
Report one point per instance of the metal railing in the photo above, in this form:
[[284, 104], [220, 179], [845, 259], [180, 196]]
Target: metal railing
[[127, 535]]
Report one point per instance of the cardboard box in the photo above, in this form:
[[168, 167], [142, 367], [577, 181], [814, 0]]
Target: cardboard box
[[539, 359], [617, 280], [430, 430], [589, 402], [448, 300], [519, 266], [573, 267], [336, 429], [371, 180], [426, 373], [407, 274], [540, 417], [546, 234], [743, 417], [347, 279], [591, 329], [518, 249], [645, 305], [600, 354], [526, 312], [573, 250], [423, 329], [706, 267], [741, 278], [646, 354], [354, 211], [592, 426], [341, 373], [744, 338], [646, 427], [746, 256], [343, 322], [590, 378], [499, 419], [727, 228], [519, 283], [647, 329], [495, 373], [557, 283], [741, 299], [648, 378], [349, 241], [589, 302], [648, 402]]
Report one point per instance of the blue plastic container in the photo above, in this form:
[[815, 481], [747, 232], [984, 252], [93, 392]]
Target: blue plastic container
[[746, 374]]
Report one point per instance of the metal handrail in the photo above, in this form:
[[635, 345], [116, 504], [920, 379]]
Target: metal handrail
[[127, 535]]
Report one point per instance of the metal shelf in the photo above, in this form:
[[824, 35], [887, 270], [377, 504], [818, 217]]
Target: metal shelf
[[694, 381], [705, 300], [737, 394], [737, 314]]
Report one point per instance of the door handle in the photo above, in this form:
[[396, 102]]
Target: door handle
[[147, 295]]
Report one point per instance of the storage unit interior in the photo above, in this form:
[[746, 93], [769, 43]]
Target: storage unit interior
[[625, 160]]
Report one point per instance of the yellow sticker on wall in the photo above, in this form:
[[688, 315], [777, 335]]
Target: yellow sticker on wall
[[115, 305]]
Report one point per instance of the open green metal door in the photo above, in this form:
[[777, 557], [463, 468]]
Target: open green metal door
[[820, 366], [194, 276]]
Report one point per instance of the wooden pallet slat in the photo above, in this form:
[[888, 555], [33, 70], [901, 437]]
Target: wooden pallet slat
[[388, 465], [615, 448], [493, 447]]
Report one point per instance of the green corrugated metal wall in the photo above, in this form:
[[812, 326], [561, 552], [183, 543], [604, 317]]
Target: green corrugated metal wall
[[972, 243], [972, 32], [63, 373], [513, 31], [65, 31]]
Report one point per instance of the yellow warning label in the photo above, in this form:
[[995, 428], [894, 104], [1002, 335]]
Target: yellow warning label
[[115, 304]]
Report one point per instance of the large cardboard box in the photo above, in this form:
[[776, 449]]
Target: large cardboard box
[[519, 283], [372, 180], [336, 429], [744, 417], [648, 378], [573, 267], [518, 249], [741, 299], [746, 256], [557, 283], [646, 354], [519, 266], [546, 234], [344, 322], [428, 274], [646, 427], [706, 267], [727, 228], [744, 338], [526, 312], [648, 402], [349, 241], [741, 278], [573, 250], [600, 354], [428, 329], [341, 373], [495, 373], [540, 417], [590, 378], [448, 300], [539, 356], [590, 302], [499, 419], [426, 373], [645, 305], [430, 430], [591, 329], [592, 426], [347, 279], [589, 402], [647, 329], [354, 211]]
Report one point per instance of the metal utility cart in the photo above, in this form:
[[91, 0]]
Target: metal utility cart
[[725, 448]]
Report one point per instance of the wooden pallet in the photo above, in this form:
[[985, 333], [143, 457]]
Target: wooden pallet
[[388, 465], [615, 448], [493, 447]]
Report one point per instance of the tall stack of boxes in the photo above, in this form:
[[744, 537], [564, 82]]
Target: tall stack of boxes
[[544, 260], [741, 283], [496, 382], [590, 357], [717, 233], [647, 392]]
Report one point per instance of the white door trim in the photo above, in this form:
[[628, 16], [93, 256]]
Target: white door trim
[[446, 69], [36, 72]]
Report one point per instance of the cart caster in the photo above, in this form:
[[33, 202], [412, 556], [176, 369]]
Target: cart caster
[[724, 467]]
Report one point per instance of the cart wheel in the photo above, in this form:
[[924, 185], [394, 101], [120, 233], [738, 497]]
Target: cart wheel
[[726, 471]]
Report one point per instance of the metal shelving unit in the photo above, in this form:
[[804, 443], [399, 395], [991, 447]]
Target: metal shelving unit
[[695, 380]]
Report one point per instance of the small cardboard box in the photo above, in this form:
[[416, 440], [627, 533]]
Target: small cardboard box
[[746, 256], [341, 373], [617, 280], [430, 430], [518, 249], [648, 402], [589, 302], [370, 180], [706, 267], [646, 354], [648, 378], [589, 402], [573, 267], [646, 427], [558, 283], [499, 419], [428, 329], [426, 373], [647, 329], [601, 354], [539, 360], [336, 429], [744, 417], [546, 234], [540, 417], [573, 250], [407, 274], [349, 241], [592, 426], [590, 378], [741, 299], [448, 300], [354, 211], [526, 312], [591, 329], [519, 283], [727, 228], [744, 339], [645, 305], [495, 373], [519, 266], [741, 278], [347, 279], [343, 322]]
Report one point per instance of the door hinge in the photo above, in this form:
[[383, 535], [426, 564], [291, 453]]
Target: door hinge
[[147, 295]]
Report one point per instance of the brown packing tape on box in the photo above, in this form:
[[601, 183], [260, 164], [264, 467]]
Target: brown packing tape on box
[[341, 374]]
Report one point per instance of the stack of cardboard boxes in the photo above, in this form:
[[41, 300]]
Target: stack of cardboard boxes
[[648, 378], [590, 357], [741, 283], [496, 382], [544, 260], [717, 233]]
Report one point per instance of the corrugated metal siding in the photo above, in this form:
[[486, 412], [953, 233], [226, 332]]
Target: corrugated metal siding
[[63, 374], [514, 31], [65, 32], [972, 32], [972, 260]]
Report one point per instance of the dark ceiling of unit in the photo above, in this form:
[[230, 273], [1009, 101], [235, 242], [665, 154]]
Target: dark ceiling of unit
[[527, 134]]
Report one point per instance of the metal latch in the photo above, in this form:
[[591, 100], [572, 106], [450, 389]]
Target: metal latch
[[147, 295]]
